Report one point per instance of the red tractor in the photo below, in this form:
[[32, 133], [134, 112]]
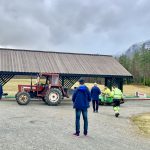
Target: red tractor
[[51, 92]]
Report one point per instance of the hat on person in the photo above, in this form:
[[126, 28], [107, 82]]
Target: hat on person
[[81, 81], [95, 84]]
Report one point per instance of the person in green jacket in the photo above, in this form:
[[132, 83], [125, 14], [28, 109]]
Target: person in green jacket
[[106, 93], [117, 96]]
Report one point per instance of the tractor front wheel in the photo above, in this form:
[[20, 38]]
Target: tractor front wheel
[[22, 98], [53, 97]]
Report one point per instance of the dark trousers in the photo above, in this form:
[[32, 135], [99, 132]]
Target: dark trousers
[[85, 119], [95, 105], [116, 102], [116, 105]]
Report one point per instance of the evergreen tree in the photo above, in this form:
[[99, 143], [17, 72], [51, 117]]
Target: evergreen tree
[[138, 65]]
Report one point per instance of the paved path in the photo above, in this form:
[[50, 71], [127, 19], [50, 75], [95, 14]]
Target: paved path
[[40, 127]]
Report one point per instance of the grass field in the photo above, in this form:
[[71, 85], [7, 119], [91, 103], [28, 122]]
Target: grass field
[[143, 122], [129, 90]]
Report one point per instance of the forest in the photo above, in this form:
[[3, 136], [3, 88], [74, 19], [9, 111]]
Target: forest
[[138, 65]]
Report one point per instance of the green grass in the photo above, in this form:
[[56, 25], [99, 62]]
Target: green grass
[[143, 122]]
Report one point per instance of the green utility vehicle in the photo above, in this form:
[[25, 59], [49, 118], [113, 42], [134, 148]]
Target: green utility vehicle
[[105, 100]]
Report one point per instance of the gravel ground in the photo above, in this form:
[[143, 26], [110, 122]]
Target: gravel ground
[[41, 127]]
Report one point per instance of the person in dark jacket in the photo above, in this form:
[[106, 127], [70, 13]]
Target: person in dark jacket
[[95, 92], [81, 99], [1, 91]]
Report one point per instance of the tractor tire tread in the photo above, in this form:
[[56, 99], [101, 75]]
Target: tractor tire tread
[[53, 103], [17, 98]]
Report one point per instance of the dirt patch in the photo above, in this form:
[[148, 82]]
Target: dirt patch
[[143, 122]]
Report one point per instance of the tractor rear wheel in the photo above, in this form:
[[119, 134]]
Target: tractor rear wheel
[[23, 98], [43, 99], [53, 97]]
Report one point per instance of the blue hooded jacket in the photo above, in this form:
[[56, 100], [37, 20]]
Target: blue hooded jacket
[[95, 92], [81, 98]]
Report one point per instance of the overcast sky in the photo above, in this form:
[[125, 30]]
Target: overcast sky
[[85, 26]]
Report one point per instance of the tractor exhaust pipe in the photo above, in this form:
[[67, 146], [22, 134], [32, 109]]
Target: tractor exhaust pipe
[[31, 83]]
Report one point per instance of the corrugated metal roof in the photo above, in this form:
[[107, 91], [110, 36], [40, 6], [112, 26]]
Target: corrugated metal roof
[[14, 60]]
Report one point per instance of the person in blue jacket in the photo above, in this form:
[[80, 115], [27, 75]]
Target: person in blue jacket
[[81, 99], [95, 92], [1, 91]]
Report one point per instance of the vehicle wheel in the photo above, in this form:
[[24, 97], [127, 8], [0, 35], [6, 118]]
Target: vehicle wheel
[[53, 97], [43, 99], [122, 101], [108, 104], [16, 94], [100, 102], [22, 98]]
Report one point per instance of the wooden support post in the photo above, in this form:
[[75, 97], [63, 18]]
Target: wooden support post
[[108, 83], [62, 80], [121, 84]]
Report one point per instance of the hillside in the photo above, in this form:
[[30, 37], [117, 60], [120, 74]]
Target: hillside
[[137, 47], [137, 61]]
